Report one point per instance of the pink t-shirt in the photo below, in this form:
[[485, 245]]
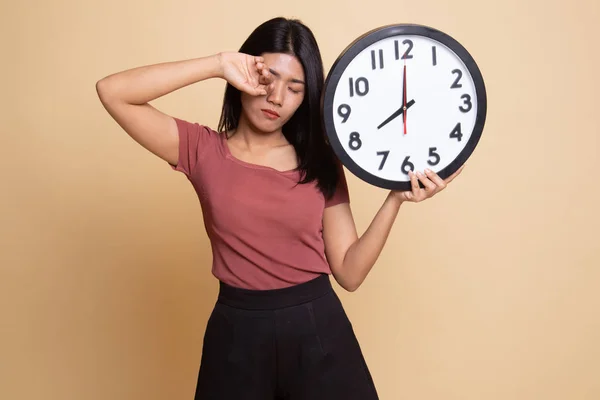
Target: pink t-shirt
[[265, 230]]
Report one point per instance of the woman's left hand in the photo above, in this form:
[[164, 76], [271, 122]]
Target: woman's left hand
[[432, 182]]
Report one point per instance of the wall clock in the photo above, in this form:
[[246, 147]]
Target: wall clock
[[403, 97]]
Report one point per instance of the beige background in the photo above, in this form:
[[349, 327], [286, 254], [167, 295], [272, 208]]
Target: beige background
[[488, 291]]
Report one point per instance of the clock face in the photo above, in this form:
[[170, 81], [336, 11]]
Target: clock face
[[401, 98]]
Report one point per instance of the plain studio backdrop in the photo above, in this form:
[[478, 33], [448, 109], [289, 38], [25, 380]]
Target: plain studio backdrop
[[487, 291]]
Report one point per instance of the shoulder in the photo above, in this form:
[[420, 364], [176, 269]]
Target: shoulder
[[194, 129], [196, 141]]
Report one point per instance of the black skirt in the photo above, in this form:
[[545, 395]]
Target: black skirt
[[294, 343]]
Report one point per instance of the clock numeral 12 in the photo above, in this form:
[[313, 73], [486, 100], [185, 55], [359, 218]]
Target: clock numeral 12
[[361, 90], [407, 54], [374, 62], [434, 55]]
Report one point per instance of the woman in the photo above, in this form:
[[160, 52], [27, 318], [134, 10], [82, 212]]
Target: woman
[[276, 209]]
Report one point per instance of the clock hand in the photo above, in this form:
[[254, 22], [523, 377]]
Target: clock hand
[[404, 97], [396, 114]]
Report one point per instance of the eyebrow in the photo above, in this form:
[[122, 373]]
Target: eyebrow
[[277, 74]]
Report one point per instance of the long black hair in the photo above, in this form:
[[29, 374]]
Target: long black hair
[[316, 160]]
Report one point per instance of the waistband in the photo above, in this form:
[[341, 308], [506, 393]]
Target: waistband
[[271, 299]]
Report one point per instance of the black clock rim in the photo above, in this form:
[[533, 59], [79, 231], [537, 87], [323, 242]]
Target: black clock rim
[[367, 39]]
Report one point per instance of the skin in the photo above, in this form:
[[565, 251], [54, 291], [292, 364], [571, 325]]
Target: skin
[[274, 84]]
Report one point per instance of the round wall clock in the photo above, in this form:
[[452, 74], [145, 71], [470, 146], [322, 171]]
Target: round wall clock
[[400, 98]]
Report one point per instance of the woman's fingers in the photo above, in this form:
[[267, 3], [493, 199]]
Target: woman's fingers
[[429, 185], [437, 182], [414, 183], [263, 69], [417, 194], [257, 77], [264, 78], [432, 182]]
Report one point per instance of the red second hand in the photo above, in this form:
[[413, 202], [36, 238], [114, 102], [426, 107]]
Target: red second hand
[[404, 97]]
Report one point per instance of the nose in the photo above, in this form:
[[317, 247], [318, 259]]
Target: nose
[[276, 93]]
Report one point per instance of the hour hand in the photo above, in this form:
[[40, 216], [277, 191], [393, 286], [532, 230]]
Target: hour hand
[[396, 114]]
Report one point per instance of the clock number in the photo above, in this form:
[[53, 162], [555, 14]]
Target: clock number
[[456, 84], [373, 60], [385, 155], [407, 54], [355, 142], [456, 133], [407, 165], [435, 156], [361, 91], [344, 111], [410, 46], [434, 55], [467, 102]]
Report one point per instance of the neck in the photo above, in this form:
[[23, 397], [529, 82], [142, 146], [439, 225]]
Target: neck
[[255, 138]]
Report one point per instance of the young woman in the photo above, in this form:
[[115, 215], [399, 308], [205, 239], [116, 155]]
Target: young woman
[[276, 209]]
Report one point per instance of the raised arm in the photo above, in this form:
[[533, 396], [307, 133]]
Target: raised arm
[[126, 95]]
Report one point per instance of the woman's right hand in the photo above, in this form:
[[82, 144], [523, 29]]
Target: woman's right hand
[[245, 72]]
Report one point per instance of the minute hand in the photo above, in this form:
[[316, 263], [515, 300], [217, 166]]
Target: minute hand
[[396, 114]]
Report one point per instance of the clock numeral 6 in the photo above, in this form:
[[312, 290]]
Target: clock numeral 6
[[361, 90], [344, 111], [355, 142], [407, 165], [467, 102]]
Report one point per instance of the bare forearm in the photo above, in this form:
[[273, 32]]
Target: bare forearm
[[143, 84], [363, 254]]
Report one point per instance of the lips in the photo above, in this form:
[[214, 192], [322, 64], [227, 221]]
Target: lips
[[270, 113]]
